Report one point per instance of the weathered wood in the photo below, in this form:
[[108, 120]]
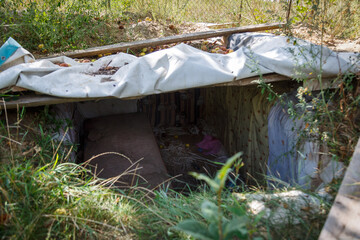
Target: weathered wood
[[267, 78], [288, 12], [41, 100], [343, 221], [168, 40], [311, 84]]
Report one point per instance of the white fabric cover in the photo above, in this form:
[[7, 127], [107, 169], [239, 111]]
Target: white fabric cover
[[176, 68]]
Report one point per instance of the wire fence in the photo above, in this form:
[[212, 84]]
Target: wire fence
[[213, 11]]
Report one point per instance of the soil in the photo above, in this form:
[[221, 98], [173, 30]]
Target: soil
[[181, 155], [149, 29], [152, 29], [335, 44]]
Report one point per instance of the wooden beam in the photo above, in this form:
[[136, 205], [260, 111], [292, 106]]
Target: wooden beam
[[288, 12], [268, 78], [41, 100], [343, 220], [311, 84], [168, 40]]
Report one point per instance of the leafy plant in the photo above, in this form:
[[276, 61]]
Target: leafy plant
[[52, 26], [218, 226]]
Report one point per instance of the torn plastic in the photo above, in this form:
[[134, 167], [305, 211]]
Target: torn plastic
[[294, 164]]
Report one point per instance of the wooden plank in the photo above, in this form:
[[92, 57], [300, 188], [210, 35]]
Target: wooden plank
[[42, 100], [343, 221], [268, 78], [311, 84], [167, 40]]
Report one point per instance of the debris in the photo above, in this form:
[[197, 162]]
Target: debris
[[180, 154], [210, 144], [63, 64], [106, 79], [106, 71]]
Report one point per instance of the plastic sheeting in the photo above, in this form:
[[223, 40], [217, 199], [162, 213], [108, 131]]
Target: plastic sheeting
[[284, 163], [291, 163], [11, 54], [291, 56], [176, 68]]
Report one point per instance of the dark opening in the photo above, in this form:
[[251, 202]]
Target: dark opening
[[195, 130]]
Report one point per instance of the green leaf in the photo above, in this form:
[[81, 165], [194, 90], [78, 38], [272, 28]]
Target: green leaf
[[213, 184], [236, 227], [209, 210], [195, 229], [237, 210], [224, 171], [213, 230], [56, 161]]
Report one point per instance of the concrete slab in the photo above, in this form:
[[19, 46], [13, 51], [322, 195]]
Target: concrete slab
[[130, 135]]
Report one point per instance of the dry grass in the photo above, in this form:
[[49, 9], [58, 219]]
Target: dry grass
[[257, 11]]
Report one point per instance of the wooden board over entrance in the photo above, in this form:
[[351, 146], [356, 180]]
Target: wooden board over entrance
[[42, 100], [33, 100], [343, 221]]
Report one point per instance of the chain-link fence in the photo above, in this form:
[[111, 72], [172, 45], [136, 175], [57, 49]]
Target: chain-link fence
[[212, 11], [71, 24]]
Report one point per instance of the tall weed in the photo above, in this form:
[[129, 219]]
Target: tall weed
[[52, 26]]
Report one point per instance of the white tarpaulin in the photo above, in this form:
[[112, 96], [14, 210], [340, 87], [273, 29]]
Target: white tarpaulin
[[176, 68]]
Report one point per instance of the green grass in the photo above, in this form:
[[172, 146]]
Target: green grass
[[44, 26], [43, 196], [57, 25], [54, 202], [210, 11]]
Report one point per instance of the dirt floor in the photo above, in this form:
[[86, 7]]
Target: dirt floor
[[180, 151]]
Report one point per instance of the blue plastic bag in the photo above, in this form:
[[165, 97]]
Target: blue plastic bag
[[8, 49]]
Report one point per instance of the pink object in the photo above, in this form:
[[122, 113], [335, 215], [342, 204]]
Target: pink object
[[210, 145]]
